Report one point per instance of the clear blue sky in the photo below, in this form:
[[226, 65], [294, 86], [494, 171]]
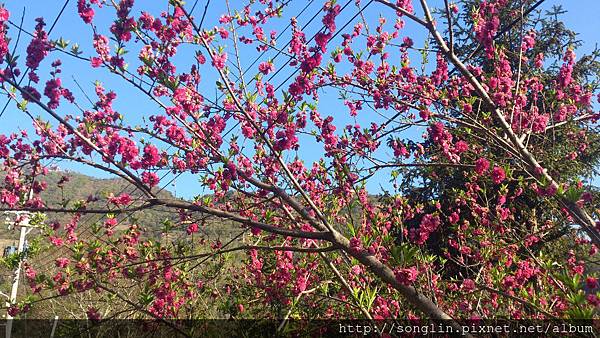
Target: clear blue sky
[[582, 16]]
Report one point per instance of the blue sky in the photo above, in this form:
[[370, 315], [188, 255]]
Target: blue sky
[[581, 16]]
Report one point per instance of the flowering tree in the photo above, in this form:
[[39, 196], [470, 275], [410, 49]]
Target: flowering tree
[[488, 214]]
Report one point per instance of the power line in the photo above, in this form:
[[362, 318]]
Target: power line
[[334, 36], [278, 36], [291, 57]]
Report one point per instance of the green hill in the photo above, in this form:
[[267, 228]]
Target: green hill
[[77, 187]]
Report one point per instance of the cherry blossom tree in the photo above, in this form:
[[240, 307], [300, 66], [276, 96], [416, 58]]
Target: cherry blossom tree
[[483, 136]]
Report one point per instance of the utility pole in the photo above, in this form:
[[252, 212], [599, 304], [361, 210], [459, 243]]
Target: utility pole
[[25, 230]]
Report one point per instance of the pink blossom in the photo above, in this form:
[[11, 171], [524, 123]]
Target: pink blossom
[[481, 166], [539, 123], [591, 282], [528, 41], [13, 310], [93, 314], [96, 62], [428, 225], [150, 178], [38, 47], [61, 262], [487, 24], [266, 67], [4, 15], [453, 218], [498, 175], [53, 91], [56, 241], [123, 199], [219, 60], [593, 300], [85, 11], [192, 228], [539, 60], [468, 285], [461, 146], [151, 156], [9, 198], [30, 273], [110, 223], [407, 276]]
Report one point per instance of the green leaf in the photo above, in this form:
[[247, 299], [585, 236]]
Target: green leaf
[[22, 105]]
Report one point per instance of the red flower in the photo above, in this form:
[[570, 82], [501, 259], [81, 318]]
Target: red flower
[[85, 11], [9, 198], [539, 123], [123, 199], [407, 276], [110, 223], [498, 175], [96, 62], [13, 310], [150, 178], [591, 282], [93, 314], [481, 166], [151, 156], [219, 61], [453, 218], [593, 300], [192, 228], [266, 67], [4, 14], [429, 224], [38, 47], [461, 146], [468, 284], [61, 262], [56, 241]]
